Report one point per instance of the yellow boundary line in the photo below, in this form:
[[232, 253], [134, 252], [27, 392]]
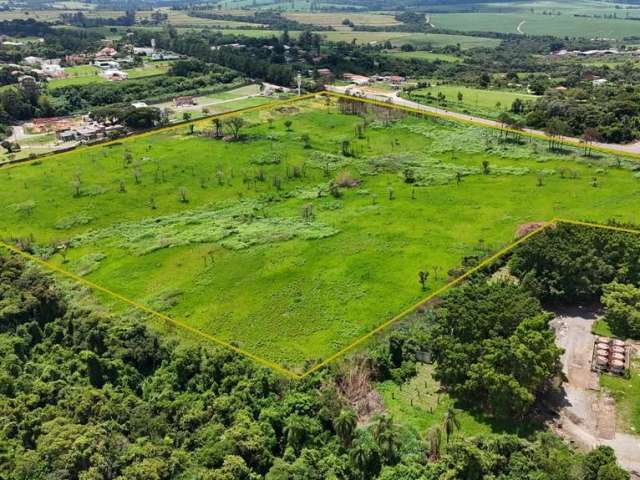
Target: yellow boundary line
[[453, 117], [430, 297], [276, 367], [260, 360], [148, 310], [153, 131]]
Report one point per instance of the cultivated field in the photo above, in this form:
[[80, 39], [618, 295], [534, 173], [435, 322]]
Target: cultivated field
[[279, 242], [335, 19], [562, 25]]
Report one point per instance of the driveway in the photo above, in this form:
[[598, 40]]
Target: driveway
[[587, 415]]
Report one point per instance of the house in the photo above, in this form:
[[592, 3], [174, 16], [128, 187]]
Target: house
[[53, 70], [32, 61], [269, 89], [115, 75], [76, 59], [139, 105], [107, 64], [235, 46], [357, 79], [67, 135], [164, 56], [185, 101], [89, 133], [325, 74], [599, 82], [144, 51], [396, 79], [106, 52]]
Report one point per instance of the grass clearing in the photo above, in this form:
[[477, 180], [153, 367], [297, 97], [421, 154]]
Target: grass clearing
[[425, 55], [261, 251], [419, 404], [88, 74], [487, 103], [627, 395]]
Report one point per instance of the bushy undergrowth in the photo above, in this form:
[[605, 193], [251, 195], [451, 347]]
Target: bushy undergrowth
[[238, 226]]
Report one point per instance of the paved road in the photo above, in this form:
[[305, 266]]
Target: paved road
[[392, 97]]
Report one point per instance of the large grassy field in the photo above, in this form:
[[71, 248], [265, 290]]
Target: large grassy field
[[248, 241], [488, 103], [562, 25], [335, 19], [88, 74], [425, 55]]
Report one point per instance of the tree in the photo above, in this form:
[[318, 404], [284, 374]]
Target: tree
[[596, 459], [434, 441], [517, 106], [183, 194], [409, 175], [450, 422], [345, 426], [493, 347], [572, 263], [589, 136], [233, 126], [287, 124], [386, 437], [423, 276], [145, 117], [365, 458], [622, 309], [554, 130]]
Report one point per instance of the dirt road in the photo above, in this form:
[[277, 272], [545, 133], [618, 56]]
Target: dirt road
[[587, 414], [392, 97]]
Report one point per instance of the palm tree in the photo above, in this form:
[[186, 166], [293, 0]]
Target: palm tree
[[386, 437], [360, 458], [295, 432], [450, 422], [383, 424], [434, 437], [345, 425]]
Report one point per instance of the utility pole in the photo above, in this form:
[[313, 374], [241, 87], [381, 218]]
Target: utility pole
[[299, 78]]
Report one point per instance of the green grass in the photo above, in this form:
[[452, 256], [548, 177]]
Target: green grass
[[88, 74], [537, 24], [474, 100], [420, 405], [627, 395], [424, 55], [602, 329], [239, 261]]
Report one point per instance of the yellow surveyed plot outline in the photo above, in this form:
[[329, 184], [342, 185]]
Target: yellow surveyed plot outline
[[360, 340], [279, 368]]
